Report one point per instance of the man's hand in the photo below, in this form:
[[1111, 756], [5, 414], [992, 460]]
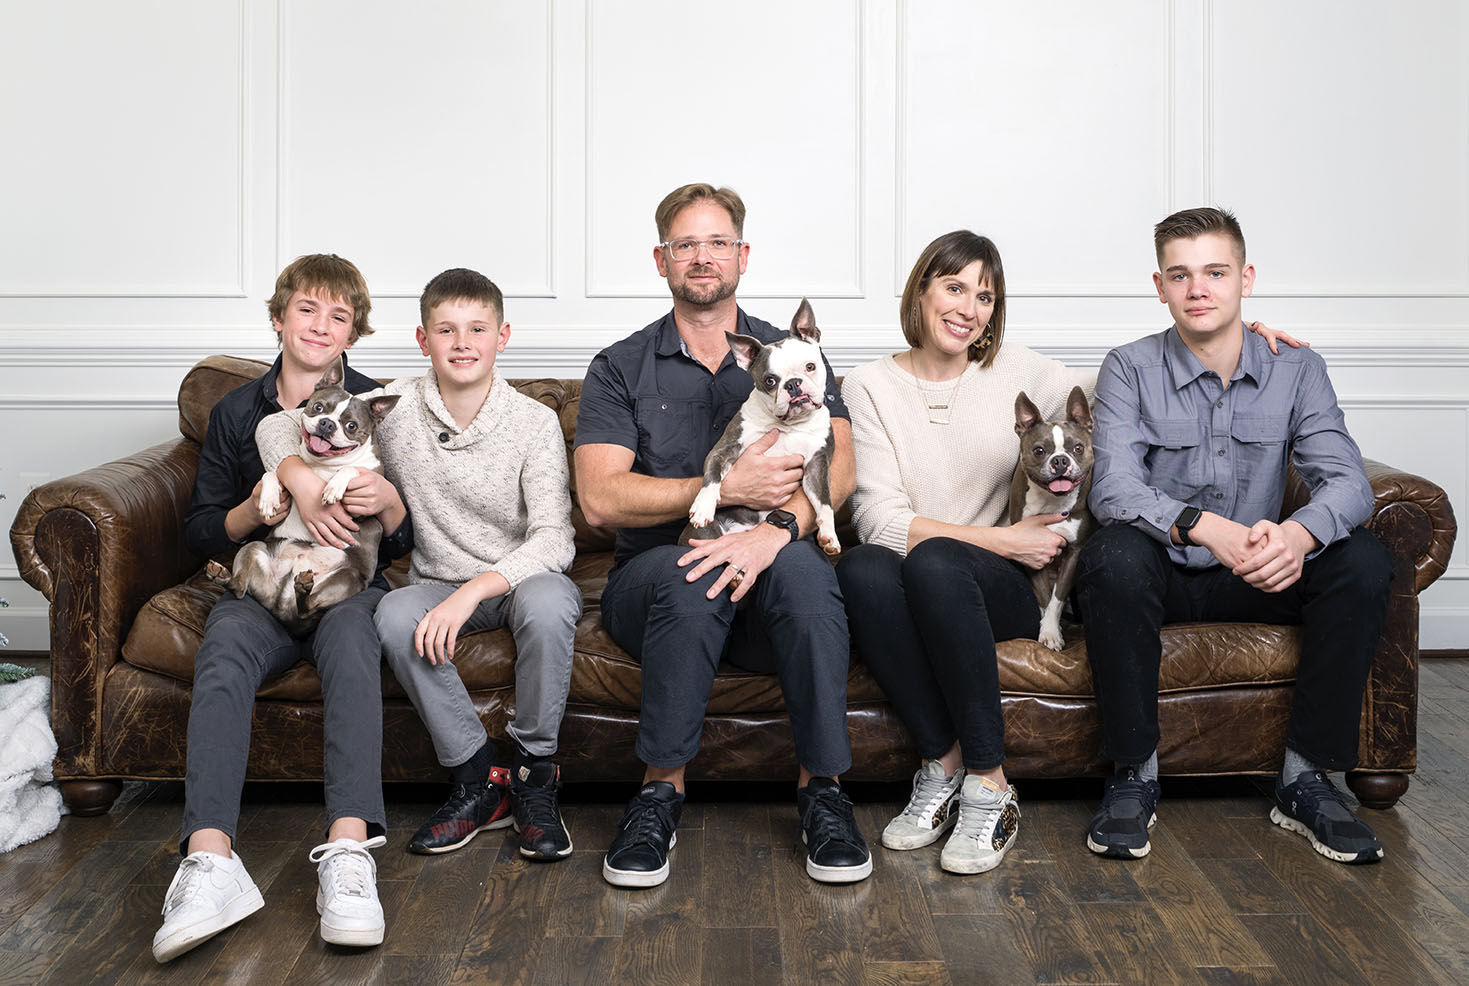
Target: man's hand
[[1279, 553], [436, 633], [1271, 337], [744, 555], [1030, 542], [369, 493], [760, 481]]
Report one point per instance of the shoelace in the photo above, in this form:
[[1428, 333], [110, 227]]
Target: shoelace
[[540, 805], [649, 820], [828, 817], [1127, 787], [351, 870], [1318, 793], [186, 882], [460, 795], [928, 791], [976, 819]]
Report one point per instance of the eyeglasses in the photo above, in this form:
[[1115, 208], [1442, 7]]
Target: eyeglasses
[[685, 250]]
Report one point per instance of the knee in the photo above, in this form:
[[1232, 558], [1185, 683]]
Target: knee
[[1115, 554], [548, 599], [937, 560], [802, 581], [866, 571], [1364, 566]]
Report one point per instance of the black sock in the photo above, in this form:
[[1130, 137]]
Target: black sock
[[474, 771]]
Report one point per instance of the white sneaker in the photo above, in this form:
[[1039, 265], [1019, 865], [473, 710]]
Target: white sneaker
[[931, 810], [209, 893], [347, 898], [988, 820]]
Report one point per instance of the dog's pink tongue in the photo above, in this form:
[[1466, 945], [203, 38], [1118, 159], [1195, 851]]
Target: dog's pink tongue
[[1060, 486], [318, 446]]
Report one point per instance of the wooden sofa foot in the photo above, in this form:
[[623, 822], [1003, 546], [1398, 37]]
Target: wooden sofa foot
[[90, 797], [1378, 791]]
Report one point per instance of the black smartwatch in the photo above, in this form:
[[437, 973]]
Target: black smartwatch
[[785, 519], [1185, 523]]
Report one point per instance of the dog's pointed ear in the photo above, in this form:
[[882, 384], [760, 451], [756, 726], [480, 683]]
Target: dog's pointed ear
[[333, 376], [1026, 413], [744, 348], [379, 406], [803, 325], [1077, 408]]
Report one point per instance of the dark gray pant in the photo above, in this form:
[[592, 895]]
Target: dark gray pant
[[793, 624], [243, 645], [1127, 588]]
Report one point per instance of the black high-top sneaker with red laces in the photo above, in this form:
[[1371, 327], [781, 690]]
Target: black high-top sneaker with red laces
[[470, 810]]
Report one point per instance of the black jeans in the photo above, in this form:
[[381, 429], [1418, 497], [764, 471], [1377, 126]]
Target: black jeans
[[792, 624], [926, 627], [1127, 589]]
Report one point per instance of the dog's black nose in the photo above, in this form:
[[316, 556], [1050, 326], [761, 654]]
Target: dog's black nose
[[325, 427], [1060, 465], [793, 386]]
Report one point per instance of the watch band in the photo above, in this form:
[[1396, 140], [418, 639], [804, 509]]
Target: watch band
[[1185, 523], [784, 519]]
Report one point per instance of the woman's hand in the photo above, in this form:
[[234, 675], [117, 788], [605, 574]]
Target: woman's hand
[[1030, 542]]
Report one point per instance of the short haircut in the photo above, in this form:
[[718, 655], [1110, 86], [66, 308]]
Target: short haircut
[[460, 284], [945, 256], [1190, 224], [331, 276], [681, 198]]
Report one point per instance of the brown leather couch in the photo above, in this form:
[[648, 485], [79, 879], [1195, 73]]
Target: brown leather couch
[[128, 604]]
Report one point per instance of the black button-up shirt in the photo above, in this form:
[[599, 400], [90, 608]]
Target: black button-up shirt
[[646, 393]]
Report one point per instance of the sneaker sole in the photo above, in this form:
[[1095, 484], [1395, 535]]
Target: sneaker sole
[[360, 937], [498, 823], [906, 842], [1122, 852], [184, 939], [969, 867], [638, 878], [1301, 828], [839, 874]]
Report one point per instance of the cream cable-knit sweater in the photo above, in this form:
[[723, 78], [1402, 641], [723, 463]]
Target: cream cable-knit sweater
[[492, 497], [958, 473]]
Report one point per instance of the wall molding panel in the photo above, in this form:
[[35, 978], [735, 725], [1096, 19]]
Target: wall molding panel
[[171, 163]]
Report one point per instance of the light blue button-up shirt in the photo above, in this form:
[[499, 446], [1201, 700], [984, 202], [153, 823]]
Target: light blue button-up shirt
[[1169, 435]]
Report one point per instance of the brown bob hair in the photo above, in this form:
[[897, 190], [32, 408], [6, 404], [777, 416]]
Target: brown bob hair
[[330, 275], [947, 255]]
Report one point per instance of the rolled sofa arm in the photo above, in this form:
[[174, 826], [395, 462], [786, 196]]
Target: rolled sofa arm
[[1417, 515], [98, 545]]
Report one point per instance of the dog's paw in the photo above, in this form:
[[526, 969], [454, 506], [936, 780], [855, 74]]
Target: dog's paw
[[270, 495], [1050, 635], [829, 543], [337, 486], [1053, 640], [305, 581], [701, 511], [217, 573]]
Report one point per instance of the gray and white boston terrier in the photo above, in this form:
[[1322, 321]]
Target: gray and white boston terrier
[[1053, 476], [789, 396], [288, 573]]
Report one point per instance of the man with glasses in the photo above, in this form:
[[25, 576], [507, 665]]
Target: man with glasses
[[652, 406]]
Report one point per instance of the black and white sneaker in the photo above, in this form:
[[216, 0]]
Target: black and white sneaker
[[1312, 806], [470, 810], [648, 830], [533, 793], [1129, 809], [835, 849]]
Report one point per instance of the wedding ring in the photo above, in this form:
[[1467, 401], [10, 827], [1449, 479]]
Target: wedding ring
[[736, 578]]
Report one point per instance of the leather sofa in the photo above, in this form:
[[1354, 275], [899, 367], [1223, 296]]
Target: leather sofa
[[128, 603]]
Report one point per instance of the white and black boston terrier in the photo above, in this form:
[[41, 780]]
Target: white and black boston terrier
[[1053, 476], [789, 396], [289, 574]]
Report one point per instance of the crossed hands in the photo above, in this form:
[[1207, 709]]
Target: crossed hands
[[1268, 556]]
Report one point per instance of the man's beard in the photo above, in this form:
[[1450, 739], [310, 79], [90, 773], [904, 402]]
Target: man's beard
[[705, 293]]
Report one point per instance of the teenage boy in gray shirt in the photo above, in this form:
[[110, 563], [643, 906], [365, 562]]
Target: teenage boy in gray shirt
[[1195, 427]]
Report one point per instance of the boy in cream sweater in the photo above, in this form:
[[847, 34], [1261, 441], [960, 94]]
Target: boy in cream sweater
[[482, 470]]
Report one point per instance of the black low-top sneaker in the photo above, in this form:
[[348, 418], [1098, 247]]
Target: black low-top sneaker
[[835, 849], [1129, 809], [1312, 806], [470, 810], [533, 791], [639, 854]]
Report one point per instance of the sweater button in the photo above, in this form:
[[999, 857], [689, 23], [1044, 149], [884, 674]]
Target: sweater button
[[443, 436]]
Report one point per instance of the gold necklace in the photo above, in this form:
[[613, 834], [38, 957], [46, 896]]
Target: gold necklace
[[945, 410]]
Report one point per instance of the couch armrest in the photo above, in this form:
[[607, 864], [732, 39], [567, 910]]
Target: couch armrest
[[1416, 516], [98, 545]]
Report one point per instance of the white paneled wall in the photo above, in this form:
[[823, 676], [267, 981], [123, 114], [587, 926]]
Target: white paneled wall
[[162, 162]]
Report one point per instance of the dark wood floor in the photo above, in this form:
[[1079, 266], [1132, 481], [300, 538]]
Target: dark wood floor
[[1225, 897]]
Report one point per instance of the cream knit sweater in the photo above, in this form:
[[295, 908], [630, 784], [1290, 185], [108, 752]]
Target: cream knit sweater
[[960, 472], [491, 497]]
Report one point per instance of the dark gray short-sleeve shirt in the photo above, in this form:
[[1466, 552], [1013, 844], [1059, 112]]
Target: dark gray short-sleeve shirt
[[646, 393]]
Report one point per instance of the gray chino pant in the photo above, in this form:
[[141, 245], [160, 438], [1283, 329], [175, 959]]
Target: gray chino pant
[[541, 613], [243, 645]]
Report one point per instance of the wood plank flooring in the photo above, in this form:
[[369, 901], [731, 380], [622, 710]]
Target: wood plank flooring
[[1224, 898]]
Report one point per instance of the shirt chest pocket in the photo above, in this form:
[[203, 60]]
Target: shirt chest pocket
[[1261, 445], [1174, 460], [665, 433]]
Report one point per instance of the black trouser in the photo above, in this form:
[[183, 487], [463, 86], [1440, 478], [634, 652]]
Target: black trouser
[[926, 627], [792, 624], [1127, 589]]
